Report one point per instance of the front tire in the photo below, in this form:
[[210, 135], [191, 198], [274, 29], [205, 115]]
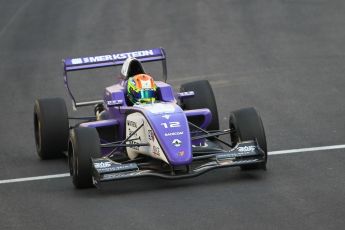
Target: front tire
[[203, 98], [84, 143], [51, 127], [246, 124]]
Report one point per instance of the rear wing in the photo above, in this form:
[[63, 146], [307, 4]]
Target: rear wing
[[115, 59]]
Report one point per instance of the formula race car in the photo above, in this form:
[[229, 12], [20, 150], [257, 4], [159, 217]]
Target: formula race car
[[173, 137]]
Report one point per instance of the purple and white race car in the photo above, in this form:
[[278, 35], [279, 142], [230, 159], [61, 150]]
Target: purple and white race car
[[175, 137]]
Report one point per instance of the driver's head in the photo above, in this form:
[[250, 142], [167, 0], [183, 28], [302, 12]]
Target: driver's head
[[141, 88]]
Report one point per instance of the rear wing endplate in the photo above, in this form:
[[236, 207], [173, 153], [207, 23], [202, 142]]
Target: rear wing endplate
[[115, 59]]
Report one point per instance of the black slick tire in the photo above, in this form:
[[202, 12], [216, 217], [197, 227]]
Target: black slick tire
[[84, 143], [246, 124], [203, 98], [51, 127]]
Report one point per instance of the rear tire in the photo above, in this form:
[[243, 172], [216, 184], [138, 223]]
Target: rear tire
[[84, 143], [247, 125], [203, 98], [51, 127]]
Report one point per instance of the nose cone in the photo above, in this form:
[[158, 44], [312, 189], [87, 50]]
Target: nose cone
[[172, 132]]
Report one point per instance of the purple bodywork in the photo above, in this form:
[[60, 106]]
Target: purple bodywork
[[117, 109]]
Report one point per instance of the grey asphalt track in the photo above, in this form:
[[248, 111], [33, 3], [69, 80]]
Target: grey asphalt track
[[285, 57]]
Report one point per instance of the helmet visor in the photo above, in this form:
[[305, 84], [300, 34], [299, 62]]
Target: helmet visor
[[147, 93]]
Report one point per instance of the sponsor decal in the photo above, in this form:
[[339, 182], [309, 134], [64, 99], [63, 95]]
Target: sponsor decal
[[132, 124], [122, 175], [181, 153], [176, 142], [166, 116], [134, 143], [156, 150], [118, 168], [246, 148], [123, 167], [187, 93], [173, 134], [151, 135], [112, 57], [102, 165], [201, 145], [76, 61], [114, 102]]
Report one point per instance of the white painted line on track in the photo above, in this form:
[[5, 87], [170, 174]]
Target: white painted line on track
[[34, 178], [279, 152], [322, 148]]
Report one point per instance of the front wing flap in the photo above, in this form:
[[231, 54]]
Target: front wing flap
[[243, 153]]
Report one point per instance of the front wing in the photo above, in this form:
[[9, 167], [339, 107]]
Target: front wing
[[243, 153]]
